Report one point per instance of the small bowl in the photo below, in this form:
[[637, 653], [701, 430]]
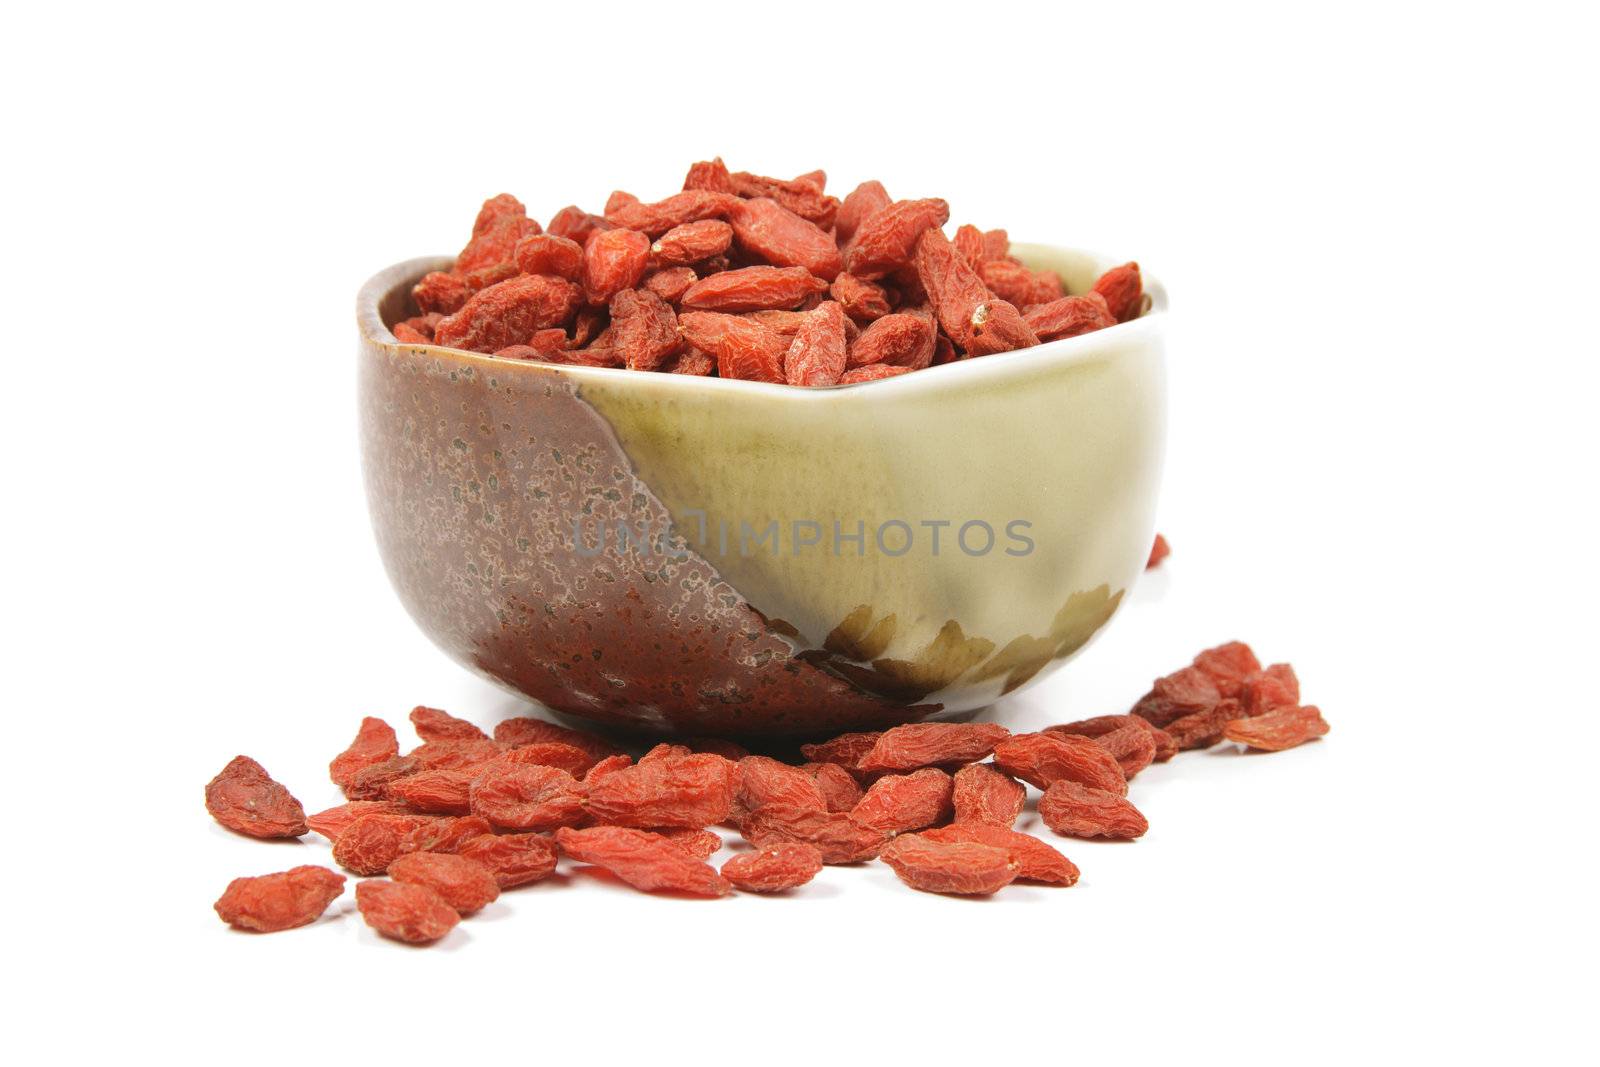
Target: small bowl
[[798, 561]]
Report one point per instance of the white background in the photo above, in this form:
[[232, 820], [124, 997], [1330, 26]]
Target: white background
[[1377, 227]]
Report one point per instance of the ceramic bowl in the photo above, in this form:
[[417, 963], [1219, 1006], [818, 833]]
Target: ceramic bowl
[[702, 556]]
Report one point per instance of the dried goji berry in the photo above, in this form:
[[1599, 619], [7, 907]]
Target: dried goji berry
[[865, 200], [693, 242], [372, 783], [463, 755], [871, 373], [1076, 810], [575, 761], [1183, 692], [609, 765], [970, 246], [368, 845], [644, 329], [711, 176], [753, 289], [1036, 861], [501, 223], [613, 260], [527, 797], [446, 834], [695, 790], [1159, 549], [701, 844], [644, 860], [434, 792], [898, 340], [618, 200], [441, 292], [691, 205], [961, 867], [669, 283], [763, 780], [926, 744], [975, 318], [1017, 284], [1228, 666], [862, 300], [897, 803], [983, 794], [1282, 727], [717, 746], [514, 859], [548, 253], [244, 798], [508, 313], [463, 883], [887, 239], [785, 865], [1133, 747], [528, 731], [666, 750], [407, 334], [374, 743], [1123, 290], [548, 346], [1069, 316], [840, 837], [576, 224], [412, 913], [1202, 729], [764, 228], [743, 347], [271, 902], [1100, 725], [334, 821], [816, 356], [1042, 759], [1275, 687], [803, 195], [840, 791]]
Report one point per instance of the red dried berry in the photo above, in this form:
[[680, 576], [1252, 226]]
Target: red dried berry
[[765, 229], [753, 289], [670, 283], [1183, 692], [528, 731], [693, 790], [244, 798], [514, 859], [441, 292], [434, 792], [864, 201], [445, 834], [926, 744], [644, 860], [618, 200], [887, 239], [457, 755], [1159, 550], [368, 845], [743, 348], [1228, 666], [983, 794], [1202, 729], [1075, 810], [839, 790], [1100, 725], [712, 176], [840, 837], [509, 313], [407, 334], [803, 195], [411, 913], [763, 780], [271, 902], [1036, 861], [691, 205], [372, 783], [613, 260], [609, 765], [693, 242], [717, 746], [1123, 290], [975, 319], [961, 867], [576, 224], [862, 300], [374, 743], [463, 883], [897, 803], [1042, 759], [575, 761], [782, 866], [548, 253], [1278, 729], [816, 356], [1018, 285], [873, 373], [527, 797], [547, 346], [334, 821], [1275, 687], [1069, 316], [846, 750], [701, 844], [899, 340], [1133, 747], [644, 329]]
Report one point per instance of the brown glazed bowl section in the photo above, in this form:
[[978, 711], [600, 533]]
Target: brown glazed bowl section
[[797, 561]]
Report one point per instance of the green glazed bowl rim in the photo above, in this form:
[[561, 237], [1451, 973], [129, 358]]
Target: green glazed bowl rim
[[947, 375]]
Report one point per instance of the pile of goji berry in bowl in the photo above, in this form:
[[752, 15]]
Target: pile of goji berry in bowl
[[754, 460]]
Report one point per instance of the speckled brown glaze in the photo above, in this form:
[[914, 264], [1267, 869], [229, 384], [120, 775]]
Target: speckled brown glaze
[[477, 468]]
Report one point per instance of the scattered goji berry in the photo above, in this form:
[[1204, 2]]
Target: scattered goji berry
[[1228, 666], [712, 177], [1183, 692], [407, 334], [1123, 290], [927, 744], [411, 913], [763, 780], [701, 844], [374, 743], [837, 834], [575, 761], [816, 356], [897, 803], [463, 883], [643, 859], [1202, 729], [840, 791], [333, 821], [1275, 687], [804, 196], [618, 200], [983, 794], [1100, 725], [369, 844], [244, 798], [1036, 861], [779, 867], [609, 765], [1133, 747], [516, 796], [960, 867], [372, 783], [1042, 759], [514, 859], [444, 834], [434, 792], [528, 731], [1076, 810], [1282, 727], [1018, 285], [465, 755], [717, 746], [694, 790], [271, 902]]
